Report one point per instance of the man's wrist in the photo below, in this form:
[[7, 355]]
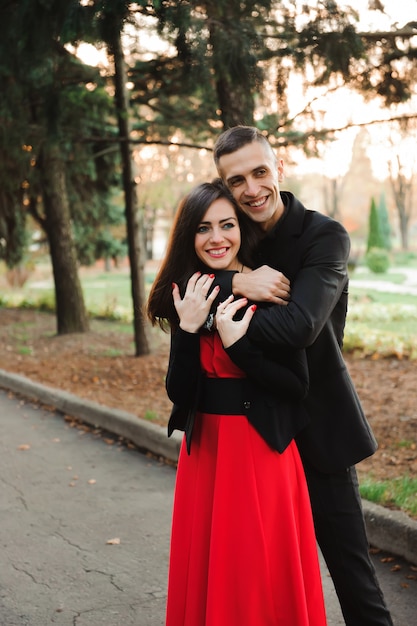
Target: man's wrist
[[237, 284]]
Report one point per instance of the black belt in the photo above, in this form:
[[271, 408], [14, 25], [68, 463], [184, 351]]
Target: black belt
[[223, 396]]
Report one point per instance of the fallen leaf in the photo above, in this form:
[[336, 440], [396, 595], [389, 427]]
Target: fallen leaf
[[92, 481], [24, 446], [113, 542]]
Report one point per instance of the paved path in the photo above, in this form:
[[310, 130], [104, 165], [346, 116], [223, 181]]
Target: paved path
[[65, 493]]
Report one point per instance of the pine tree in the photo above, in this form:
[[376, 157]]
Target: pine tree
[[45, 106], [375, 238], [384, 224]]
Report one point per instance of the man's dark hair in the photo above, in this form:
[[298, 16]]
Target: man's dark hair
[[235, 138]]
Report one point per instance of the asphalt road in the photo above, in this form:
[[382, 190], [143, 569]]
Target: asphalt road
[[85, 523]]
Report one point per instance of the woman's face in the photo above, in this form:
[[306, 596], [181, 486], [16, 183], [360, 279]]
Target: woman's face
[[217, 240]]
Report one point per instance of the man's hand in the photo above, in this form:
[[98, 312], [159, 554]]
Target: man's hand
[[262, 285], [194, 308]]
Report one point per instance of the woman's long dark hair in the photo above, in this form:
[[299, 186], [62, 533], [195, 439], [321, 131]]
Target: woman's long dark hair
[[181, 260]]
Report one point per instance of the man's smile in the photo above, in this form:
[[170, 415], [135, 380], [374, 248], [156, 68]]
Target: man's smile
[[256, 204]]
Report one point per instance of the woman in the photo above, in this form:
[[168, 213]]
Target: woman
[[243, 549]]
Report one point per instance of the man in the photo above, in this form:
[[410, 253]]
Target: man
[[311, 250]]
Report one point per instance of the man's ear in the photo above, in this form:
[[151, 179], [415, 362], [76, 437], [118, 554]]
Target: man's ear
[[280, 168]]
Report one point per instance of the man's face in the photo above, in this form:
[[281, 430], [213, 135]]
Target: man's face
[[253, 174]]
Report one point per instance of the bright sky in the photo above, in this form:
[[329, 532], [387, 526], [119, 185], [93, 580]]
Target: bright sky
[[400, 11]]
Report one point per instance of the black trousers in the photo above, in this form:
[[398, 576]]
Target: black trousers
[[341, 535]]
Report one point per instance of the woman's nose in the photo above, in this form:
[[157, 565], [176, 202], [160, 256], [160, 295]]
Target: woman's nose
[[216, 234]]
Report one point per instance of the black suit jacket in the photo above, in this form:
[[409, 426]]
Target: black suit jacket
[[312, 251], [270, 396]]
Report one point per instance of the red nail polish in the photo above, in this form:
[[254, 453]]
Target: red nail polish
[[211, 275], [254, 307], [173, 285]]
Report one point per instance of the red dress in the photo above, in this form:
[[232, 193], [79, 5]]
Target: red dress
[[243, 549]]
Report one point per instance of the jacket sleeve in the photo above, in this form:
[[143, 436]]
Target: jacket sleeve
[[315, 291], [183, 367], [286, 376]]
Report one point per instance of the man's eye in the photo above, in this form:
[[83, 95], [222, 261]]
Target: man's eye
[[235, 182]]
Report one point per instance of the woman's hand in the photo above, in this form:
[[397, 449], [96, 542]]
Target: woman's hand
[[195, 306], [229, 330]]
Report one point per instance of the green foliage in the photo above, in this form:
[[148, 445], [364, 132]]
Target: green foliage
[[373, 491], [375, 236], [377, 259], [151, 416], [384, 226], [211, 73], [400, 492], [221, 51], [50, 95]]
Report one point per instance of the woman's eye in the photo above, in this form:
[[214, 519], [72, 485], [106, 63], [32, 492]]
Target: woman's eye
[[202, 229], [228, 225]]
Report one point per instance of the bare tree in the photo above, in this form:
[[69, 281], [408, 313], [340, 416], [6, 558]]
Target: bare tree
[[402, 188]]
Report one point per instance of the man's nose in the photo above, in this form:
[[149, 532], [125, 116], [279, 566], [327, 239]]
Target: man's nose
[[252, 187]]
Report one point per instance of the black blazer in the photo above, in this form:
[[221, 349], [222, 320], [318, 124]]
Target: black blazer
[[312, 250], [270, 396]]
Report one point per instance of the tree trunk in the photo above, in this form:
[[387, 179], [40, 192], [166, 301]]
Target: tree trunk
[[134, 226], [232, 70], [402, 190], [403, 227], [71, 313]]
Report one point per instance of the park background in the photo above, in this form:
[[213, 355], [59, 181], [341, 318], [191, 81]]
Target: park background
[[109, 113]]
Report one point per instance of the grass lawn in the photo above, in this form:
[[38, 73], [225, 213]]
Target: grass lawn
[[385, 317]]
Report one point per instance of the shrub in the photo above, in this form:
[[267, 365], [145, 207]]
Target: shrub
[[377, 259]]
